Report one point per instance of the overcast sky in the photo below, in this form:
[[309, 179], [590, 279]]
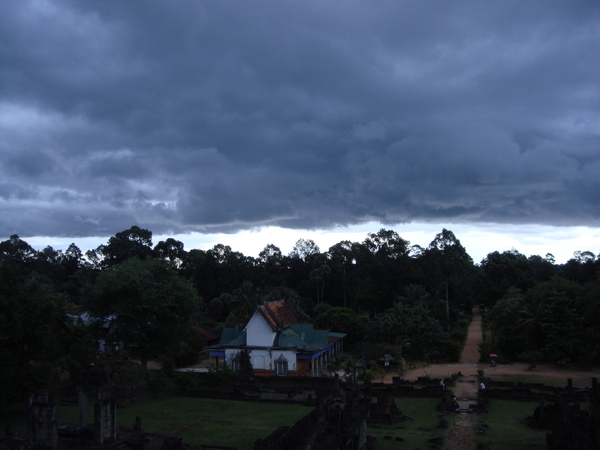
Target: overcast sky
[[226, 116]]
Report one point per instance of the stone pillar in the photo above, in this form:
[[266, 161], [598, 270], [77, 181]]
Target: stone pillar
[[83, 406], [41, 421], [105, 421]]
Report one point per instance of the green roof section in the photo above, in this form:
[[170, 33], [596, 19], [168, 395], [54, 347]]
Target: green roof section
[[303, 337], [233, 336]]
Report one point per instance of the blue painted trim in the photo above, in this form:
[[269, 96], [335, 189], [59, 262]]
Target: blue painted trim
[[314, 355]]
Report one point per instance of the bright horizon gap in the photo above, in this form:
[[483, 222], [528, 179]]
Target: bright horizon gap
[[479, 241]]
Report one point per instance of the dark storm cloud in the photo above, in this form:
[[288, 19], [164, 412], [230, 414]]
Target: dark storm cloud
[[220, 116]]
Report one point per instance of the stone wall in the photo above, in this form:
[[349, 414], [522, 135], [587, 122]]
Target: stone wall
[[327, 427]]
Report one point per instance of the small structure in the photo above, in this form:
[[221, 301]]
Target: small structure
[[279, 341], [387, 360]]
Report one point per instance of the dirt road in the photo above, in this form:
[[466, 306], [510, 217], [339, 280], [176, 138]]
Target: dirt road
[[461, 433], [469, 363]]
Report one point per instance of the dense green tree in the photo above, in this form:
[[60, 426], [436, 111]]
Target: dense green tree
[[451, 265], [318, 276], [414, 294], [506, 270], [341, 320], [342, 262], [300, 263], [505, 316], [542, 268], [530, 319], [581, 268], [218, 307], [421, 336], [563, 329], [171, 250], [146, 304], [387, 243], [243, 301], [229, 267], [384, 265], [305, 249], [200, 269], [18, 252], [275, 293], [35, 334], [272, 267], [134, 242]]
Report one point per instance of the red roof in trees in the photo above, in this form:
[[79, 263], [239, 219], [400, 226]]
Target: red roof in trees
[[281, 314], [208, 334]]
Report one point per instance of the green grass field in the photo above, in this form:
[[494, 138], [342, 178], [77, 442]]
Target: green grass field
[[207, 421], [238, 423], [507, 428], [195, 420], [415, 433]]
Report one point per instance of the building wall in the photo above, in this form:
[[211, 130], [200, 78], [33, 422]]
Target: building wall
[[264, 359], [303, 367], [259, 332]]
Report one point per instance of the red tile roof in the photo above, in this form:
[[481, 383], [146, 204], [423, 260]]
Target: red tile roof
[[281, 314], [207, 333]]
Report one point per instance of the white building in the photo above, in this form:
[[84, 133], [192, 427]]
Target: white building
[[279, 341]]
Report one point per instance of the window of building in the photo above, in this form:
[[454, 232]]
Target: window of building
[[281, 366], [236, 365]]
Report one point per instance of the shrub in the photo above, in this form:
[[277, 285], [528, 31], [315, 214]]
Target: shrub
[[158, 383], [485, 348]]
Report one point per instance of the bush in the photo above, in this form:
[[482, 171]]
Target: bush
[[453, 350], [128, 379], [485, 348], [530, 356], [158, 383], [320, 308], [341, 320]]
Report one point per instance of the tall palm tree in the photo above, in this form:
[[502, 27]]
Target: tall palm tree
[[244, 301]]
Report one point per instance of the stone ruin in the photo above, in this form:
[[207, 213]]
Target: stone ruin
[[43, 432], [571, 427], [327, 427], [448, 403], [385, 410]]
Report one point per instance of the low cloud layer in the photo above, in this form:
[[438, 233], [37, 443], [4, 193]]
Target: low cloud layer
[[222, 116]]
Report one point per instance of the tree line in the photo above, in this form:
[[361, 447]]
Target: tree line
[[150, 296]]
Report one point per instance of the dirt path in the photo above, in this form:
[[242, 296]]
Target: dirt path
[[468, 365], [460, 435]]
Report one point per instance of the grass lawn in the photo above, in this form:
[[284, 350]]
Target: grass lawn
[[195, 420], [238, 424], [415, 433], [507, 429]]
